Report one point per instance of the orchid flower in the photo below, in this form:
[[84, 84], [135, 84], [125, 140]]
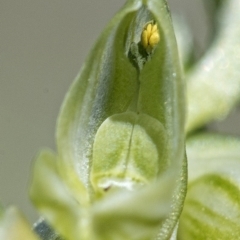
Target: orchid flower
[[120, 169]]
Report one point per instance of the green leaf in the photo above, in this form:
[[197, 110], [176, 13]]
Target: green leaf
[[53, 199], [212, 206], [214, 83], [14, 226]]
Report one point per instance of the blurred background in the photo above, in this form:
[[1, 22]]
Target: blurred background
[[42, 47]]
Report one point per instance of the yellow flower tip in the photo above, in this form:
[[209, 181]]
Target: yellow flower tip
[[144, 38], [149, 28], [150, 36], [154, 39]]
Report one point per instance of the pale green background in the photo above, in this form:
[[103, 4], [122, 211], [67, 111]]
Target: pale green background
[[43, 43]]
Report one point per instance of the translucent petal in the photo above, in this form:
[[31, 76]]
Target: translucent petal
[[214, 83], [54, 200], [13, 226], [212, 206]]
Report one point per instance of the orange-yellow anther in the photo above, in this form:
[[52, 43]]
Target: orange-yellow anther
[[150, 36]]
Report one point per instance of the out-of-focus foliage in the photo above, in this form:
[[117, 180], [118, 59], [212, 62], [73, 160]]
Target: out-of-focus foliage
[[13, 226], [212, 206], [213, 85]]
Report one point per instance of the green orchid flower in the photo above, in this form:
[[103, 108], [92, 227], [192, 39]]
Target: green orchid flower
[[120, 171]]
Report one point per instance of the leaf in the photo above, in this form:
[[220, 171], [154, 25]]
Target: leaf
[[212, 205], [214, 83], [53, 199]]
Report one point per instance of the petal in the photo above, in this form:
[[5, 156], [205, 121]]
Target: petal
[[105, 86], [210, 153], [212, 206], [137, 215], [128, 150], [53, 199], [212, 209], [215, 80], [13, 226]]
